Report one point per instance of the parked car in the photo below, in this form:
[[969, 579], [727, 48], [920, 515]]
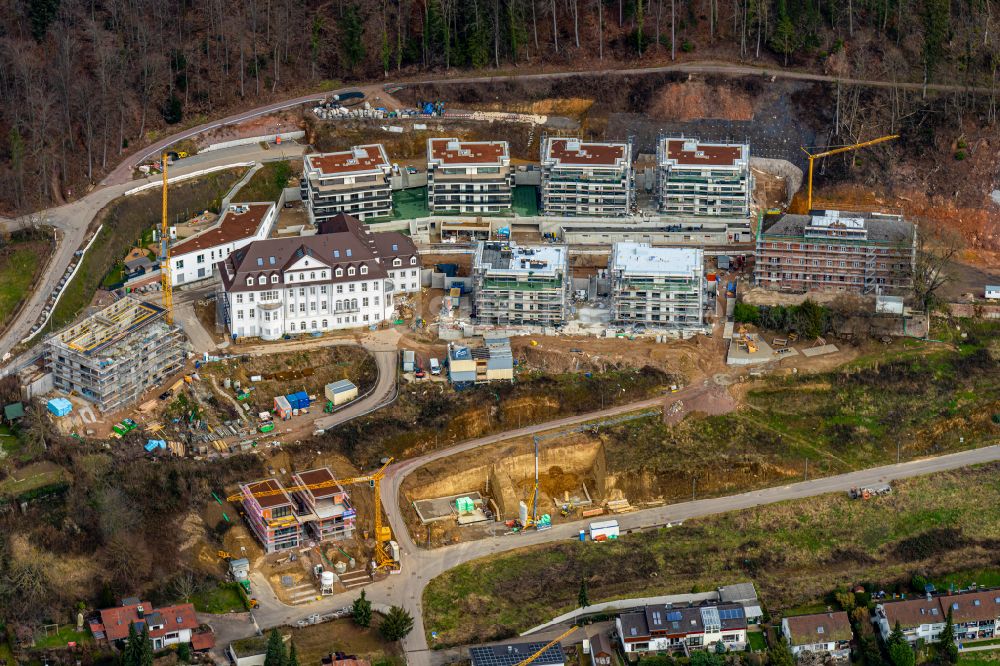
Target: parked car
[[435, 367]]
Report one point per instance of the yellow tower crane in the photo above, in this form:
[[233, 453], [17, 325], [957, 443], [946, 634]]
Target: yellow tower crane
[[837, 151], [383, 534], [168, 294], [542, 651]]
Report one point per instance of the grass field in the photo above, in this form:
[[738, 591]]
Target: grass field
[[31, 478], [979, 658], [223, 598], [66, 634], [266, 184], [794, 552], [18, 266], [757, 641], [318, 640]]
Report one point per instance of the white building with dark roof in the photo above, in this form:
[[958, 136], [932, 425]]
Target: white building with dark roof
[[586, 178], [698, 178], [469, 176], [343, 277], [657, 286], [194, 258], [354, 181], [664, 628]]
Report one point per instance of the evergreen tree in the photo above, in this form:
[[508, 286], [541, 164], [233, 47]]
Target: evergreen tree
[[783, 37], [352, 46], [947, 649], [581, 599], [779, 655], [396, 624], [145, 651], [900, 652], [293, 658], [362, 611], [130, 654], [184, 653], [275, 653]]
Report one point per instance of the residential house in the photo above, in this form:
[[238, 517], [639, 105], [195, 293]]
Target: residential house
[[661, 628], [919, 619], [976, 615], [194, 258], [697, 178], [992, 292], [657, 286], [355, 181], [346, 276], [469, 176], [601, 653], [514, 653], [169, 625], [516, 284], [586, 178], [822, 632]]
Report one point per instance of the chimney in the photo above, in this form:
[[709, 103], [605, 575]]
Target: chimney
[[139, 611]]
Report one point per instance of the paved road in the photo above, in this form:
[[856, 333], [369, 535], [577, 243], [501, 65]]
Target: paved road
[[72, 221], [420, 565]]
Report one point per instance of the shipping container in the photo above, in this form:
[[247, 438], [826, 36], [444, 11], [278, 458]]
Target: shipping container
[[604, 530]]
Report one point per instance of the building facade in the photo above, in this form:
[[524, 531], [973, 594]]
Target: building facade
[[586, 178], [836, 251], [695, 178], [520, 285], [975, 615], [326, 511], [660, 287], [469, 176], [920, 619], [169, 625], [343, 277], [115, 355], [663, 628], [355, 181], [823, 632], [194, 259]]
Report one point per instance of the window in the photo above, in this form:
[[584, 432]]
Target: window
[[348, 252], [302, 326], [260, 261], [312, 275], [364, 286], [339, 272], [302, 291], [350, 287], [350, 270], [250, 297], [326, 324], [302, 307], [291, 277], [239, 314], [201, 258], [322, 290], [340, 288], [364, 270], [413, 261], [376, 300], [262, 280], [322, 275], [397, 262], [313, 324], [249, 281], [336, 254], [274, 279], [364, 302], [180, 263], [270, 260], [239, 298]]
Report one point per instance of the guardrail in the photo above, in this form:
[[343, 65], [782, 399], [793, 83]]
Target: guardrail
[[186, 176]]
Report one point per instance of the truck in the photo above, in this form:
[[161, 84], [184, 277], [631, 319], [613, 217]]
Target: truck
[[604, 530], [867, 492], [435, 367]]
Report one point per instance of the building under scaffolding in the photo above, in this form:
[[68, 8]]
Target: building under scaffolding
[[115, 355]]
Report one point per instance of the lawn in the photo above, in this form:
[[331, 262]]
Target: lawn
[[979, 658], [795, 552], [318, 640], [33, 480], [961, 580], [267, 184], [757, 641], [223, 598], [127, 221], [526, 200], [19, 264], [67, 633], [409, 204]]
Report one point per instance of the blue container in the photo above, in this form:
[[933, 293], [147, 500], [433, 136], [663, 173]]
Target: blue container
[[583, 535]]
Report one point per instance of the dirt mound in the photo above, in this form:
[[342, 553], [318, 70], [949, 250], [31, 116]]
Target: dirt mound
[[696, 99]]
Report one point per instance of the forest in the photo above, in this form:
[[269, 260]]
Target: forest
[[86, 82]]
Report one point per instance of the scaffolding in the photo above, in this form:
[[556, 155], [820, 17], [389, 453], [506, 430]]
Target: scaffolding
[[115, 355]]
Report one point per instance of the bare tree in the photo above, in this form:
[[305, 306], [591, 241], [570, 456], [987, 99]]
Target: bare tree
[[934, 249]]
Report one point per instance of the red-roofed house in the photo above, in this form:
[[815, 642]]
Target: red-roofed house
[[168, 625]]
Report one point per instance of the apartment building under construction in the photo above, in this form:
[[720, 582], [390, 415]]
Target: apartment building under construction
[[831, 250], [520, 285], [657, 286], [115, 355], [695, 178], [581, 178]]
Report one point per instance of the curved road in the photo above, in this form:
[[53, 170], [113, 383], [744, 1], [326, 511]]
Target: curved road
[[420, 565]]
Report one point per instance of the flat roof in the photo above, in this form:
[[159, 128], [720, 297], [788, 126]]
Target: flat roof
[[266, 486], [574, 152], [691, 152], [880, 227], [509, 257], [642, 259], [359, 159], [318, 476], [108, 326], [240, 221], [454, 152]]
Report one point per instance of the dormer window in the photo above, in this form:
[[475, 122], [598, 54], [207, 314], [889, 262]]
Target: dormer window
[[364, 270], [274, 279], [262, 280], [413, 261], [340, 272], [350, 271], [397, 262], [249, 281]]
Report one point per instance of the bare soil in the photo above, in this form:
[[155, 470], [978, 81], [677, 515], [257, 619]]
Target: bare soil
[[696, 99]]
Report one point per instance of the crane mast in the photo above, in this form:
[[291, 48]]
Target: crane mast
[[837, 151], [168, 294]]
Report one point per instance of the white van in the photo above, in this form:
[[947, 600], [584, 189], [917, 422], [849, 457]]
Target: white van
[[435, 367]]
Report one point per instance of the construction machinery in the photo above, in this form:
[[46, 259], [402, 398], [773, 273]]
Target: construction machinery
[[168, 294], [548, 645], [383, 558], [837, 151]]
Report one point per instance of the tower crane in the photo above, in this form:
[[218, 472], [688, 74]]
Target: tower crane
[[168, 294], [383, 534], [837, 151], [545, 648]]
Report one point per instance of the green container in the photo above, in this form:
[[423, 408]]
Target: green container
[[267, 427]]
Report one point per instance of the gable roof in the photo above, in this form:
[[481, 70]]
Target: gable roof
[[14, 410], [114, 622], [819, 628], [913, 612], [972, 606]]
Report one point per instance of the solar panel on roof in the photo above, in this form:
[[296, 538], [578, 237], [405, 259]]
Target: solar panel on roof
[[674, 616], [731, 613]]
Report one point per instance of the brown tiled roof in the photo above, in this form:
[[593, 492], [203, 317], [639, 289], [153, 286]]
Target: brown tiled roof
[[203, 641], [329, 249], [805, 629], [468, 152], [268, 501], [706, 154], [233, 227], [972, 606], [115, 621], [913, 612], [346, 162], [175, 618], [589, 154]]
